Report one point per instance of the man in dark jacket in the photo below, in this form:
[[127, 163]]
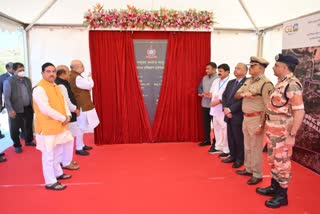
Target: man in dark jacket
[[234, 117], [18, 100]]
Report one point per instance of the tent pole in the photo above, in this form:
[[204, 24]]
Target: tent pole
[[11, 19], [49, 5], [248, 14], [26, 44], [260, 35]]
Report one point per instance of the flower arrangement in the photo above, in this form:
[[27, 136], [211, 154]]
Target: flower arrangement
[[133, 18]]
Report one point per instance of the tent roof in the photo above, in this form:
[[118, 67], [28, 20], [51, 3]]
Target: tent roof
[[228, 13]]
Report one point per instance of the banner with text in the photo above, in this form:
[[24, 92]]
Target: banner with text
[[301, 38], [150, 59]]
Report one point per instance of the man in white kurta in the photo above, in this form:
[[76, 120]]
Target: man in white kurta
[[219, 126], [63, 74], [81, 87], [51, 108]]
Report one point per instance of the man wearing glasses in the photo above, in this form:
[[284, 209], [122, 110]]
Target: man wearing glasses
[[255, 94]]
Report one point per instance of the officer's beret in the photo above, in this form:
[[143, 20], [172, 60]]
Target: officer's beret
[[287, 59], [259, 60]]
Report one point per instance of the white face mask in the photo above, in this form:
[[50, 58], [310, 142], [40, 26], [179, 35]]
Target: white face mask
[[21, 74]]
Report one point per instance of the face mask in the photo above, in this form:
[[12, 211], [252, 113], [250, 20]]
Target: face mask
[[21, 74]]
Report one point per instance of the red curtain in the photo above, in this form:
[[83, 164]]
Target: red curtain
[[117, 93], [118, 96], [178, 115]]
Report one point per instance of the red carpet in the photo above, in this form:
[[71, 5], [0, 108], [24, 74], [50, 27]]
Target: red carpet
[[166, 178]]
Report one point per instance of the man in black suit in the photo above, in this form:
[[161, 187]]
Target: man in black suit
[[234, 117], [4, 77]]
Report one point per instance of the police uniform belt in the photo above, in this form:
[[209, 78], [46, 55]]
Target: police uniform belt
[[274, 117], [253, 114]]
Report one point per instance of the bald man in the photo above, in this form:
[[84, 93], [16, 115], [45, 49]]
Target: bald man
[[88, 118], [63, 74], [233, 116]]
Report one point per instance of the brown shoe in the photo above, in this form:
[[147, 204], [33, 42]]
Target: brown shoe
[[254, 180], [72, 166]]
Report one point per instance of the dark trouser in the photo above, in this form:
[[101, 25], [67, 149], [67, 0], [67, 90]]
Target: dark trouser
[[207, 118], [22, 121], [235, 141]]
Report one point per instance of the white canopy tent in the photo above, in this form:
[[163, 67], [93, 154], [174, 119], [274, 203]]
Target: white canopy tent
[[54, 32]]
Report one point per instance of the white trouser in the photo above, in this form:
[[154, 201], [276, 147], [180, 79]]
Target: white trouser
[[78, 133], [51, 164], [67, 153], [79, 141], [220, 133]]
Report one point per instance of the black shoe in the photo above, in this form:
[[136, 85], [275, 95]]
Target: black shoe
[[270, 190], [87, 147], [243, 172], [18, 149], [31, 144], [82, 152], [265, 148], [2, 154], [224, 155], [280, 198], [228, 160], [205, 143], [253, 180], [212, 150], [3, 159], [2, 135], [237, 165]]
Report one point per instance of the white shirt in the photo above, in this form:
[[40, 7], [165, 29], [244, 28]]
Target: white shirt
[[65, 94], [217, 89], [84, 83]]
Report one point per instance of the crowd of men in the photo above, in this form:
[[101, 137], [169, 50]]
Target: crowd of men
[[59, 107], [245, 110], [242, 111]]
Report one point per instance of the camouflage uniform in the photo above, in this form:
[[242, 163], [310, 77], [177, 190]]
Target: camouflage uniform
[[286, 97]]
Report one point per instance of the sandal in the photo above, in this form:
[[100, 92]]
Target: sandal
[[72, 166], [56, 186], [64, 176]]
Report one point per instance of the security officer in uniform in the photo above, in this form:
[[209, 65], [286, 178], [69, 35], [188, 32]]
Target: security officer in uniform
[[284, 116], [255, 93]]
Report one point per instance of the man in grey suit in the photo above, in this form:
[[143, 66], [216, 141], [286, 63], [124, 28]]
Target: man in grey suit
[[18, 100], [3, 77], [234, 117]]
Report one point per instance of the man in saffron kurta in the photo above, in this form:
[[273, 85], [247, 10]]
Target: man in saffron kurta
[[52, 116]]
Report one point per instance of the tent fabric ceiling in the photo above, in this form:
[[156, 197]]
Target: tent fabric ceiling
[[228, 13]]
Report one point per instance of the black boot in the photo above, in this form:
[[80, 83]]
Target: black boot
[[270, 190], [280, 199]]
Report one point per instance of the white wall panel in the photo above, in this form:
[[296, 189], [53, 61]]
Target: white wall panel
[[58, 45]]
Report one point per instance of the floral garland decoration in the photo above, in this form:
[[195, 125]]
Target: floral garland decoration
[[133, 18]]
